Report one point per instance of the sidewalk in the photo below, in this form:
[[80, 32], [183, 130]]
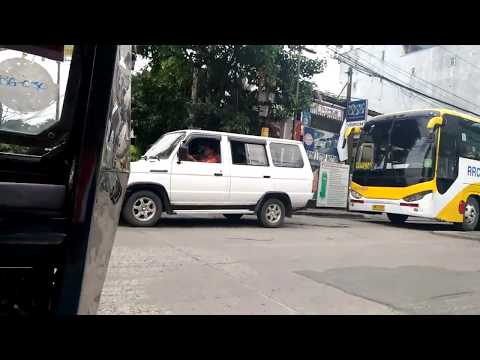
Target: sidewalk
[[332, 213]]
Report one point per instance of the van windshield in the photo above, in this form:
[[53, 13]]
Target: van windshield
[[165, 145]]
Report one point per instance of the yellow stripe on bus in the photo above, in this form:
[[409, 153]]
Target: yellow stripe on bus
[[392, 193], [450, 211]]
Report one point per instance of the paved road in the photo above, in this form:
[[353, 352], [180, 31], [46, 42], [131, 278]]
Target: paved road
[[313, 265]]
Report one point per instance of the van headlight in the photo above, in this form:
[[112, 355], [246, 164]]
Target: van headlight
[[355, 194], [417, 196]]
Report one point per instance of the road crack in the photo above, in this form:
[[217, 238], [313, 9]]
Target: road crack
[[290, 309]]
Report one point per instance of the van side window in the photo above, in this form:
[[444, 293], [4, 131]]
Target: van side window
[[286, 155], [203, 149], [248, 154]]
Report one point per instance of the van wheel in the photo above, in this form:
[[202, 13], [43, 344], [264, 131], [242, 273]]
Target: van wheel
[[233, 217], [397, 219], [272, 213], [143, 208], [470, 216]]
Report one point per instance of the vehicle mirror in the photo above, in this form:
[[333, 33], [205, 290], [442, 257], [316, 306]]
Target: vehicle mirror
[[434, 122], [182, 153]]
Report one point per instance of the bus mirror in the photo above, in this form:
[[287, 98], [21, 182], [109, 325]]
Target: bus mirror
[[348, 132], [435, 121]]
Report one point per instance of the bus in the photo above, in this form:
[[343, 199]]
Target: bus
[[421, 163]]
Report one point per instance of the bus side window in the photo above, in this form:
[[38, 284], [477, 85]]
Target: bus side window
[[447, 169], [469, 140]]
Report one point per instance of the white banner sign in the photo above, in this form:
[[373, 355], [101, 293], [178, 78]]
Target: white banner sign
[[333, 185]]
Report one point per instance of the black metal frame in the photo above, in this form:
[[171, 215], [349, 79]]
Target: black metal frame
[[57, 133]]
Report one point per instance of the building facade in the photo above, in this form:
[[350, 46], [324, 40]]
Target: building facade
[[450, 73]]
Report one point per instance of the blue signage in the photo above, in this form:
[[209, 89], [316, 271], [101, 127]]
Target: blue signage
[[357, 111], [306, 118]]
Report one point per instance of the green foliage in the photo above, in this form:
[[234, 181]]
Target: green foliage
[[134, 154], [229, 77], [157, 107]]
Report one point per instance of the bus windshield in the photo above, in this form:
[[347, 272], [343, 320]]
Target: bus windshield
[[395, 152]]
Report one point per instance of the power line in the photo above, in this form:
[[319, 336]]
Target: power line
[[365, 69], [430, 103], [461, 58], [354, 63], [393, 67]]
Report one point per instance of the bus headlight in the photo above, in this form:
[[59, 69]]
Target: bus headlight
[[355, 194], [417, 196]]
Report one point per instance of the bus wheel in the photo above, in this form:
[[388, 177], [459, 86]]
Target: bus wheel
[[470, 216], [397, 219]]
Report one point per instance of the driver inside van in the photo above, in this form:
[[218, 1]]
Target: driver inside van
[[209, 155]]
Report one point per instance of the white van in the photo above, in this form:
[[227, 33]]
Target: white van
[[206, 172]]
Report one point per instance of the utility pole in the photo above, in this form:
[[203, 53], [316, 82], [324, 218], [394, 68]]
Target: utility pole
[[349, 90], [349, 160], [296, 95], [349, 96], [297, 108]]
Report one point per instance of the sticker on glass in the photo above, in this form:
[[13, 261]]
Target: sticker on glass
[[26, 86]]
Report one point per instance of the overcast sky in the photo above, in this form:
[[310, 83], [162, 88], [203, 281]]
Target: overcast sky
[[329, 80]]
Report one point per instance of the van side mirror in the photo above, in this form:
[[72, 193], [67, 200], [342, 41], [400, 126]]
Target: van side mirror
[[182, 153]]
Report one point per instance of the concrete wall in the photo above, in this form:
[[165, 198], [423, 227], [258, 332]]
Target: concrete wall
[[453, 68]]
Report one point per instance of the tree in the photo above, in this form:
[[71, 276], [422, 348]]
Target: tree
[[216, 87]]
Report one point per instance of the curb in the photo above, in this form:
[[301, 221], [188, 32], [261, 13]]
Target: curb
[[331, 215]]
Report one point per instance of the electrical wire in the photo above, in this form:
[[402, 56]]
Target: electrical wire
[[404, 83], [461, 58], [429, 103], [364, 69], [406, 73]]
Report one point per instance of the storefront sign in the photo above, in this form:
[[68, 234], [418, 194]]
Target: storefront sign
[[327, 111], [320, 144]]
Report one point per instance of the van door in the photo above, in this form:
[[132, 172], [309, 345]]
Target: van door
[[200, 176], [291, 172], [250, 171]]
